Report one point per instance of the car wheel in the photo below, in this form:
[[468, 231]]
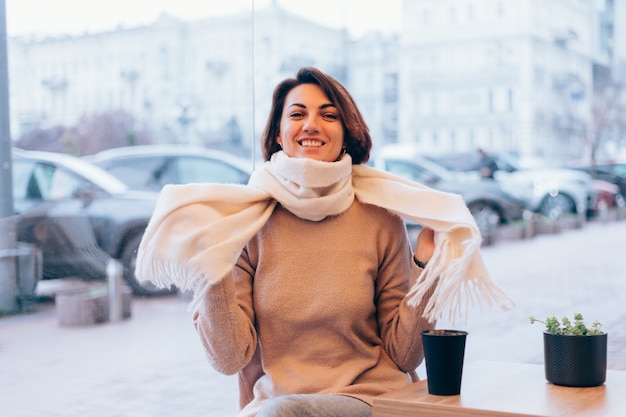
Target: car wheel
[[129, 260], [557, 206], [487, 218]]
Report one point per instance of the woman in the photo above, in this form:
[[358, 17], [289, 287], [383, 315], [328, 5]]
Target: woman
[[306, 286]]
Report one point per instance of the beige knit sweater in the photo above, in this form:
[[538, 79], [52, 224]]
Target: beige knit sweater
[[317, 307]]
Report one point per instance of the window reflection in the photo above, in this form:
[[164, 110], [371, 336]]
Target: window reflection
[[483, 73], [205, 81], [443, 75]]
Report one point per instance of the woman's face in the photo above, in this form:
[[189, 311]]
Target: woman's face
[[310, 126]]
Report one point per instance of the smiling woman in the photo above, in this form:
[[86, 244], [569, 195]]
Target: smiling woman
[[203, 75], [315, 227]]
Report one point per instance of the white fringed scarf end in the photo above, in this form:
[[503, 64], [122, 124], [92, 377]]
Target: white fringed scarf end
[[456, 284]]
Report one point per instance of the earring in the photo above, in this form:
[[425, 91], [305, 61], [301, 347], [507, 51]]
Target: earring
[[342, 153]]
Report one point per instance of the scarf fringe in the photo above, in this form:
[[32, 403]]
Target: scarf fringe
[[161, 277], [456, 285]]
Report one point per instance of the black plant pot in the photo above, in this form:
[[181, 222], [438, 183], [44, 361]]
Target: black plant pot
[[575, 361]]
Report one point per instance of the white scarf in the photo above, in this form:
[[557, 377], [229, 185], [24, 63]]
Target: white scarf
[[197, 231]]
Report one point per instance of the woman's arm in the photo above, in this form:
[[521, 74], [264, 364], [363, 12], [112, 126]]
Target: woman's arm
[[401, 324], [224, 320]]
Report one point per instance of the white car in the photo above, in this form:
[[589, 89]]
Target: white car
[[552, 192], [150, 167]]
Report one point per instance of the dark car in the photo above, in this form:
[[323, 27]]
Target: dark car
[[612, 171], [79, 216], [150, 167], [551, 191], [487, 202]]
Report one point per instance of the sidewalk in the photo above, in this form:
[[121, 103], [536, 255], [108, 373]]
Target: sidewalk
[[153, 364], [150, 365]]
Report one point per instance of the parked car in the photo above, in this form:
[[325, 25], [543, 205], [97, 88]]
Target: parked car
[[150, 167], [552, 192], [80, 216], [608, 198], [487, 202], [613, 171]]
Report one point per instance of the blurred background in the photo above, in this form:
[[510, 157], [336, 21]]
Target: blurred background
[[541, 79], [103, 103], [518, 106]]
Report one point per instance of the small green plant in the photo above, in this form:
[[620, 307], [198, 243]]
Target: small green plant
[[566, 327]]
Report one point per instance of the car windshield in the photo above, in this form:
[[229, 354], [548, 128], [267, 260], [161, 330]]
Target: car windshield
[[512, 162], [619, 169], [92, 173], [456, 161]]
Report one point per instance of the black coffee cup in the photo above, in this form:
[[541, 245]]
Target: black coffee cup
[[444, 351]]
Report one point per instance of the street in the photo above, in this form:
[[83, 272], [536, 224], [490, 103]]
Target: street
[[153, 365]]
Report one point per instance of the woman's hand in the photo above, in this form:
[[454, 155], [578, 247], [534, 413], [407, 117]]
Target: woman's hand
[[425, 245]]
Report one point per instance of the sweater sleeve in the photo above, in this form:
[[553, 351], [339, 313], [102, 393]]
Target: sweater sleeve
[[401, 324], [224, 320]]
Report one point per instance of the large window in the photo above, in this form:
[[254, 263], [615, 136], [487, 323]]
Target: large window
[[433, 75]]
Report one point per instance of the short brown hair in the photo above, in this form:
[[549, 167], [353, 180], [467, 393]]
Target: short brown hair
[[357, 139]]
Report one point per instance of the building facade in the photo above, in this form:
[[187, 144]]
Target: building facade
[[204, 82], [514, 76]]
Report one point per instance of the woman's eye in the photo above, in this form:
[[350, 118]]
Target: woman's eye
[[296, 114], [331, 116]]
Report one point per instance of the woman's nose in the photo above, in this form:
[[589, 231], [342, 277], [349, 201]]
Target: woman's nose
[[310, 124]]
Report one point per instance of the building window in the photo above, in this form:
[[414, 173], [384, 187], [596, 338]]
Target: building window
[[390, 86], [500, 8]]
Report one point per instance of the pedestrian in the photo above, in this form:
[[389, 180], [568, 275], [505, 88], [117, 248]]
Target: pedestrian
[[488, 164], [304, 281]]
